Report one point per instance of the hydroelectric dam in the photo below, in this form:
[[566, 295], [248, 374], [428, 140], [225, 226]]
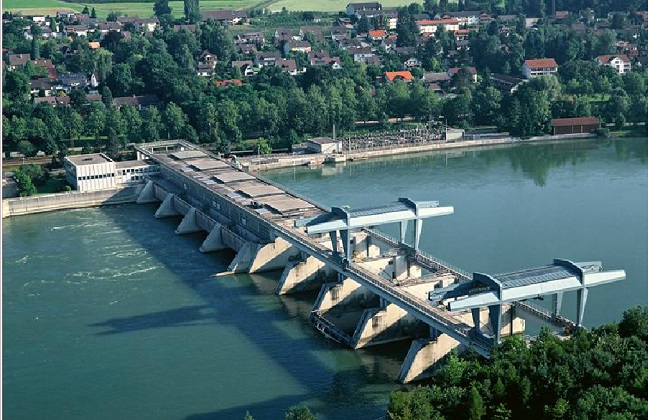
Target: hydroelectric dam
[[373, 289]]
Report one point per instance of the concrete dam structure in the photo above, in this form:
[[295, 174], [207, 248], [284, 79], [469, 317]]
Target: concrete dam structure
[[373, 289]]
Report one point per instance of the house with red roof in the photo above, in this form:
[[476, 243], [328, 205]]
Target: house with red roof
[[377, 35], [539, 67], [394, 76], [620, 63]]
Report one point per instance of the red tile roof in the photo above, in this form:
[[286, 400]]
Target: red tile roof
[[605, 59], [541, 63], [394, 75]]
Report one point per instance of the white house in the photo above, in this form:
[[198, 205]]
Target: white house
[[539, 67], [620, 63], [431, 26]]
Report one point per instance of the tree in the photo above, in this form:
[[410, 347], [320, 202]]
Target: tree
[[93, 13], [24, 183], [363, 24], [133, 122], [106, 97], [174, 121], [95, 122], [120, 80], [103, 64], [476, 408], [192, 10], [299, 412], [406, 29], [161, 8], [151, 124]]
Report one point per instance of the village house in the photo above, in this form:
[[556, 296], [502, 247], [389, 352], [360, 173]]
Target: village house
[[377, 35], [189, 28], [245, 66], [250, 38], [138, 102], [77, 30], [395, 76], [354, 9], [539, 67], [297, 46], [208, 59], [289, 66], [505, 83], [620, 63], [431, 26], [268, 58], [229, 82], [17, 61], [312, 31], [226, 17], [282, 35], [466, 18], [452, 72], [361, 54]]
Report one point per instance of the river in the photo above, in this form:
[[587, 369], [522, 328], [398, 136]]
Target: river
[[109, 314]]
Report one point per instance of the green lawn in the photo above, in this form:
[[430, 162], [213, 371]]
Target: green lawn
[[140, 9]]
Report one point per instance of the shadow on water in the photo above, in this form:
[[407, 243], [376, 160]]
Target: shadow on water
[[257, 325]]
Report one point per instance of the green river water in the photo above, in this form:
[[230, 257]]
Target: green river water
[[108, 314]]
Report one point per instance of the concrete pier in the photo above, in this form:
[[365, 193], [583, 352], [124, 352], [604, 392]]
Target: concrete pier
[[304, 275], [422, 356], [167, 208], [147, 195], [385, 325], [189, 223], [214, 241], [346, 293]]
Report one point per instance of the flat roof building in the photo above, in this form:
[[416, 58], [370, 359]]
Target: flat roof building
[[96, 171]]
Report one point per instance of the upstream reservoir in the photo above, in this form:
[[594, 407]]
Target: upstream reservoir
[[109, 314]]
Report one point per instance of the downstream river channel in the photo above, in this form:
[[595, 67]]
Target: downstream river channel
[[108, 314]]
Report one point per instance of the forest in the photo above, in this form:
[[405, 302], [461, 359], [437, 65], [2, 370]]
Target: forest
[[597, 374]]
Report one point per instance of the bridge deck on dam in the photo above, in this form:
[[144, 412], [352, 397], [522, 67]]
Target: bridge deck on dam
[[281, 209], [265, 211]]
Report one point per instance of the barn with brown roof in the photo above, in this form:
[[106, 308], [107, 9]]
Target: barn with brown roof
[[577, 125]]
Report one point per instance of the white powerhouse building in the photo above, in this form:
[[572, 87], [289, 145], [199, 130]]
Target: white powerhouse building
[[97, 171]]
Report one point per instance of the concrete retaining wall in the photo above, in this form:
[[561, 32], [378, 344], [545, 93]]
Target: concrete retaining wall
[[68, 200]]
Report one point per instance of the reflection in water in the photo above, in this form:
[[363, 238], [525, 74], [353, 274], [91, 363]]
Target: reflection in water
[[535, 161]]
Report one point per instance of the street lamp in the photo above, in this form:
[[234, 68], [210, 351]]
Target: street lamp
[[445, 127]]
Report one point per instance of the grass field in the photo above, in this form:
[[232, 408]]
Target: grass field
[[49, 7], [140, 9]]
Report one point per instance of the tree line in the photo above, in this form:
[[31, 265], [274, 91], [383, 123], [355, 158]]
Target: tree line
[[602, 373]]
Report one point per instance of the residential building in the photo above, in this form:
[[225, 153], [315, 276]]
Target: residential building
[[297, 46], [620, 63], [356, 8], [226, 17], [394, 76], [431, 26], [505, 83], [539, 67]]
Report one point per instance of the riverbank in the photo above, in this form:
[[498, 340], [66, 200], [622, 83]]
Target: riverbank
[[68, 200], [316, 159]]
